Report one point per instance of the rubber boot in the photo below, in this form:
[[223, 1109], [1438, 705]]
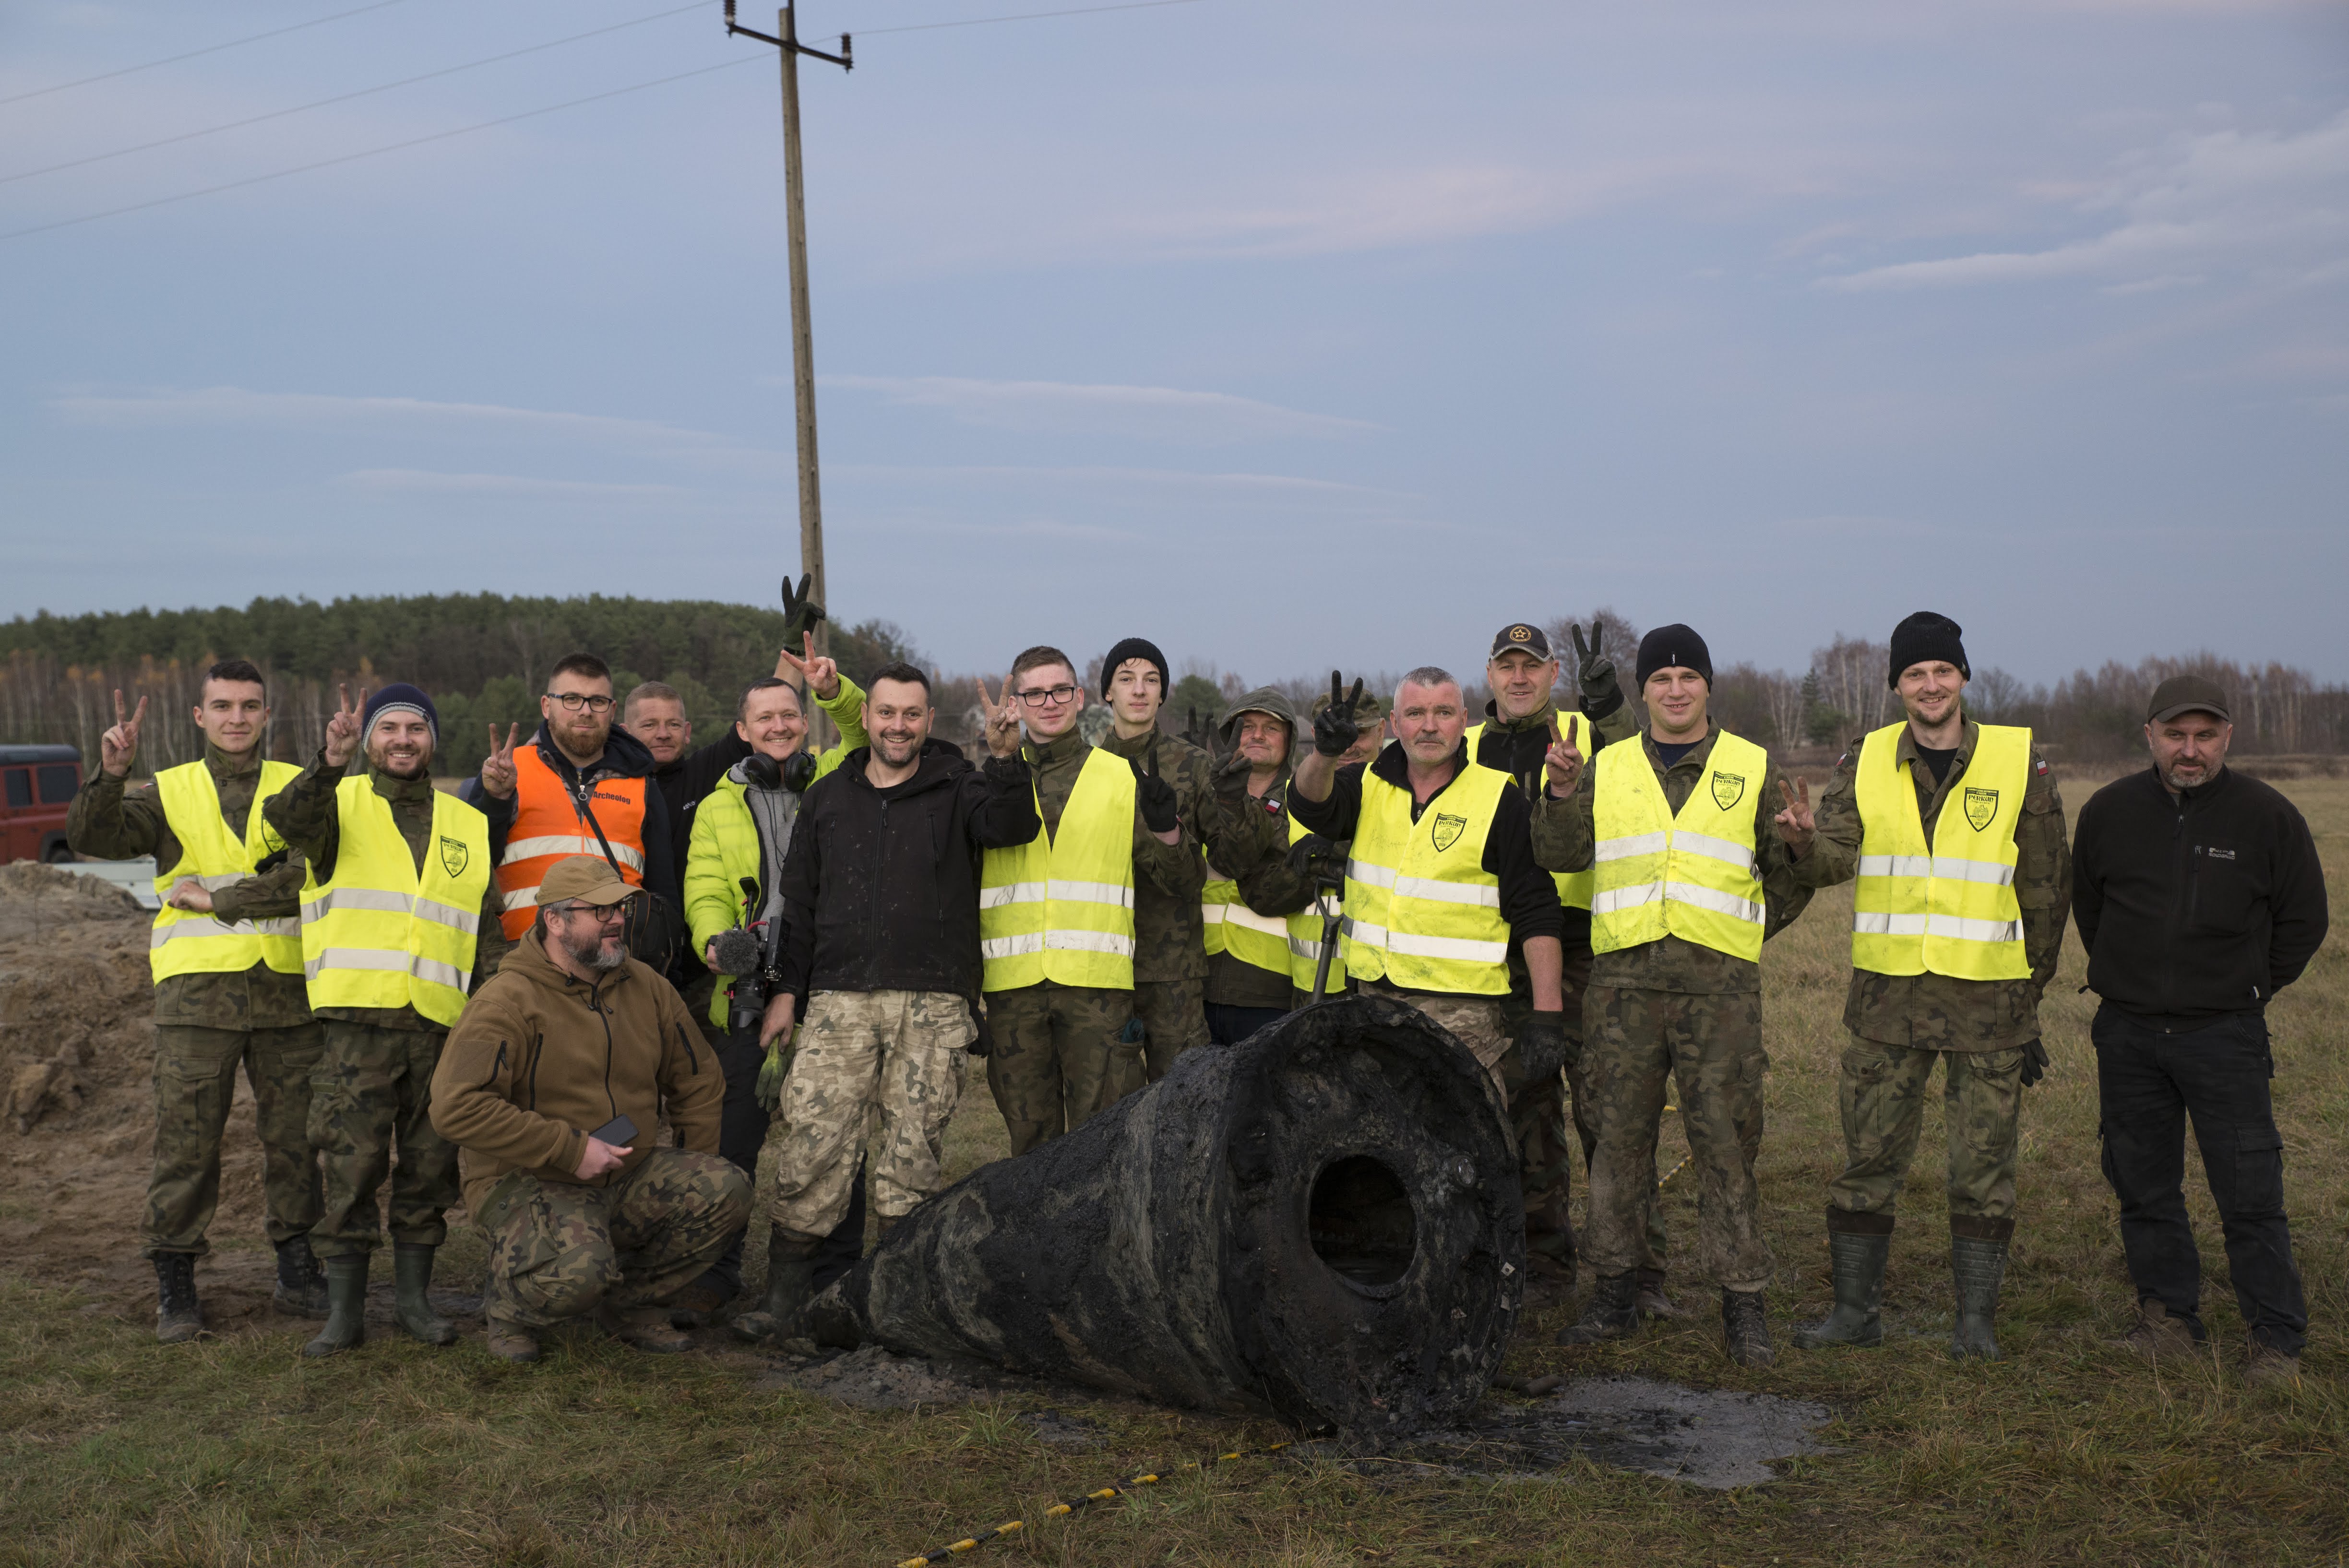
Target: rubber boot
[[179, 1316], [1859, 1292], [1976, 1264], [411, 1274], [1610, 1312], [346, 1280], [301, 1283], [791, 1284], [1746, 1329]]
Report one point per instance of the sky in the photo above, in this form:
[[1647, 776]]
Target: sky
[[1286, 332]]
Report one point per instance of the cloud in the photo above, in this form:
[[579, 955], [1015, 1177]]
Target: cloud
[[1282, 487], [2269, 203], [314, 410], [1063, 408], [429, 482]]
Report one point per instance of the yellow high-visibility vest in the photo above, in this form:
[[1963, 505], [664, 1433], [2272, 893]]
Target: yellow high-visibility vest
[[1060, 907], [1259, 940], [1574, 888], [1216, 895], [186, 943], [1951, 910], [1690, 875], [1305, 928], [1422, 911], [377, 935]]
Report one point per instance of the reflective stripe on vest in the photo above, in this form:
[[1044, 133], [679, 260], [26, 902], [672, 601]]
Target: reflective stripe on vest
[[1421, 909], [1216, 897], [1260, 941], [380, 935], [1060, 907], [547, 826], [185, 942], [1573, 887], [1690, 875], [1953, 910]]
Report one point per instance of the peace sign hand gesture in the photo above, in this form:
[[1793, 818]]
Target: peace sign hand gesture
[[1002, 720], [1594, 671], [1795, 824], [1564, 761], [801, 614], [1335, 728], [821, 675], [498, 767], [343, 730], [119, 744]]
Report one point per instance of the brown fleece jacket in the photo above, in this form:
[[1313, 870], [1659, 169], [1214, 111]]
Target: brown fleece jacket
[[539, 1060]]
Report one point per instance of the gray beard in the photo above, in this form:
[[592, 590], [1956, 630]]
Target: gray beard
[[593, 957]]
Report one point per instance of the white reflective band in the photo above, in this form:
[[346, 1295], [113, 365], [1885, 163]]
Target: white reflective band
[[1092, 892], [433, 910], [1727, 904], [1949, 868], [1089, 942], [1242, 915], [522, 898], [440, 974], [1873, 922], [1477, 894], [205, 925], [1370, 876], [212, 883], [1712, 849], [384, 960], [1304, 948], [1610, 900], [568, 844], [1624, 848], [1213, 914], [380, 900], [1363, 932], [1895, 865], [1010, 894], [1951, 926], [1012, 946], [1457, 948]]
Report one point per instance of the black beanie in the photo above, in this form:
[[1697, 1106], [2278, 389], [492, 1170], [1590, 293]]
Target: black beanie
[[1136, 648], [400, 697], [1925, 636], [1674, 644]]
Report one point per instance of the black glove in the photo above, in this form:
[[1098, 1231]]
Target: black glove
[[2034, 1063], [801, 614], [1231, 781], [1200, 730], [1316, 857], [1160, 809], [798, 771], [1541, 1045], [1335, 728], [984, 1045], [1602, 693]]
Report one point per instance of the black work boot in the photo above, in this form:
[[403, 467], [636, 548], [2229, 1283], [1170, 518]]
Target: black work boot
[[346, 1327], [1649, 1297], [179, 1316], [412, 1275], [301, 1283], [1746, 1329], [791, 1283], [1976, 1265], [1858, 1256], [1610, 1312]]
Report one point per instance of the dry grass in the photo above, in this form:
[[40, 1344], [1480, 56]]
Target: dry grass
[[233, 1451]]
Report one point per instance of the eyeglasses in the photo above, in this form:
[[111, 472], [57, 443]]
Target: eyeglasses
[[1052, 695], [573, 701], [603, 913]]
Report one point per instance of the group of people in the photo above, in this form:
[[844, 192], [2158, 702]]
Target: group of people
[[763, 948]]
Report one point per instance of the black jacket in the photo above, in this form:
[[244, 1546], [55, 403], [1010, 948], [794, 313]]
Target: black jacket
[[687, 782], [881, 886], [2207, 902]]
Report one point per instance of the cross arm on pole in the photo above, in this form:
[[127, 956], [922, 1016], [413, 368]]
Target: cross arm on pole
[[845, 59]]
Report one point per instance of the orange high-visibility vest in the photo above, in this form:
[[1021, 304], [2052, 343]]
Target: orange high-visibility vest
[[548, 825]]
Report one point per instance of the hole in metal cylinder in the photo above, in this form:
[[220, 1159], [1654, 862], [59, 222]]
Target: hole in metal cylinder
[[1361, 1222]]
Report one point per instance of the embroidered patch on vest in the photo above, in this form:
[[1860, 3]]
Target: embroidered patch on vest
[[453, 856], [1728, 788], [1981, 805], [1448, 829]]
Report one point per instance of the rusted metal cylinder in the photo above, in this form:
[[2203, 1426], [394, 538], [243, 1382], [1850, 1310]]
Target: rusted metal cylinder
[[1322, 1223]]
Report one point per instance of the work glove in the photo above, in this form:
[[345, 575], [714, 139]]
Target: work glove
[[768, 1090], [798, 771], [1542, 1047], [801, 614], [984, 1044], [1160, 808], [2034, 1063], [1200, 730], [1317, 858], [1336, 728], [1231, 781], [1603, 693]]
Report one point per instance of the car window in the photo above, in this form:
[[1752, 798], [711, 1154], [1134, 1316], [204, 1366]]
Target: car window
[[57, 784], [20, 785]]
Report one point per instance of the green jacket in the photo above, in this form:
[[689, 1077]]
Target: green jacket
[[724, 849]]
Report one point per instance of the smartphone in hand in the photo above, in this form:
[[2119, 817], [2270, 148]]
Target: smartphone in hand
[[620, 1132]]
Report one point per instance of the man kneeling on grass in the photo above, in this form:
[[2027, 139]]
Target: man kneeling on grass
[[553, 1084]]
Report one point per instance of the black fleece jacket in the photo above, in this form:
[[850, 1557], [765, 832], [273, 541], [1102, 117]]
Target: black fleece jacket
[[881, 886], [2192, 906]]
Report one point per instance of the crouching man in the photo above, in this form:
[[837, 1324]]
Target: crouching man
[[553, 1085]]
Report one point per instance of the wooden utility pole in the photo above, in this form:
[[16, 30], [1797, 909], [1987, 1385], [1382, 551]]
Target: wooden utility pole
[[802, 330]]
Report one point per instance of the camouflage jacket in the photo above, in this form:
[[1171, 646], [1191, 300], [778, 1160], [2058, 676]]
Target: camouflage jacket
[[1934, 1012], [119, 823], [1520, 749], [1251, 848], [308, 817], [1563, 841], [1168, 943]]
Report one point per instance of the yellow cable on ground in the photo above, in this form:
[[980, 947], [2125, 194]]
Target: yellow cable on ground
[[1011, 1527]]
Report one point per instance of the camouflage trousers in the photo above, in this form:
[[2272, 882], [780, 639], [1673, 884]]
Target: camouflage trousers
[[1473, 1021], [195, 1085], [370, 1099], [1057, 1056], [1174, 1014], [860, 1056], [559, 1249], [1883, 1101], [1537, 1115], [1710, 1046]]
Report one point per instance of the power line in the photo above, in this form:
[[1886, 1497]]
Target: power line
[[1025, 17], [372, 151], [345, 97], [191, 54]]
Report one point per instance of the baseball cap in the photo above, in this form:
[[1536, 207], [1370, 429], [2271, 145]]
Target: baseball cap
[[1522, 636], [585, 879], [2187, 694]]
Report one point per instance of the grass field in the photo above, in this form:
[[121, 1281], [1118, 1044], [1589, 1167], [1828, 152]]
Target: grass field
[[234, 1451]]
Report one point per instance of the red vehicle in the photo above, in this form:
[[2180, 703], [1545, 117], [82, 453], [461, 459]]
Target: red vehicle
[[37, 784]]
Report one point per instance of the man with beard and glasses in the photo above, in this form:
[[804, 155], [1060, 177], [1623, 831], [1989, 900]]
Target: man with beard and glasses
[[399, 921], [881, 960], [554, 1084]]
